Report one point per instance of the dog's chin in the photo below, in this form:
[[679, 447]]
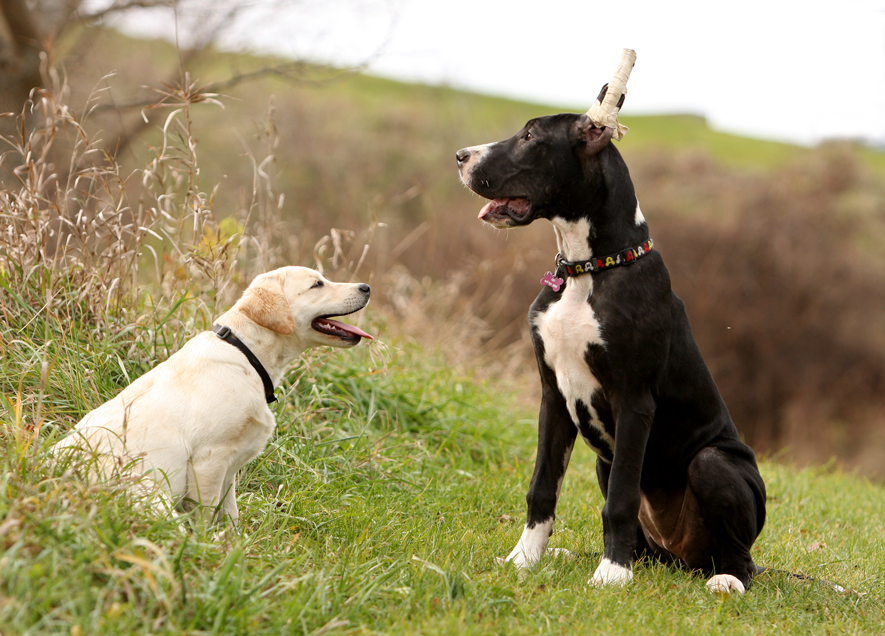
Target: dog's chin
[[507, 212], [337, 334]]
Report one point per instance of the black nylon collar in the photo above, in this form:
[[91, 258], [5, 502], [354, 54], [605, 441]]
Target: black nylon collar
[[595, 264], [227, 335]]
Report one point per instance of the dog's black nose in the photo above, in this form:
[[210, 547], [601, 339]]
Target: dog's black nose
[[462, 155], [365, 289]]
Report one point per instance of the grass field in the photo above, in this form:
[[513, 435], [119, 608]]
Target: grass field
[[379, 507], [396, 476]]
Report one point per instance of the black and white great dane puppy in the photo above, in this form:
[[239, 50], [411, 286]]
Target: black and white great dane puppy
[[619, 365]]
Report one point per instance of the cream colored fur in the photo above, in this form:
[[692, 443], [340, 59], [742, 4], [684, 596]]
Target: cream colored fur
[[193, 421]]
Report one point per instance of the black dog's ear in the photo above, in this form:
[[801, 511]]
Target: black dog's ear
[[594, 138], [602, 93]]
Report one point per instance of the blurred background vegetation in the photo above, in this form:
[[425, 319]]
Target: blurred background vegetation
[[251, 162]]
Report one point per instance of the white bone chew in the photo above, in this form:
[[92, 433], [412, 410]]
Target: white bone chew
[[606, 113]]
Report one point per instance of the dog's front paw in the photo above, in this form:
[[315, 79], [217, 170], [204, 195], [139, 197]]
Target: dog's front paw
[[561, 553], [521, 557], [521, 561], [609, 573], [531, 545], [725, 584]]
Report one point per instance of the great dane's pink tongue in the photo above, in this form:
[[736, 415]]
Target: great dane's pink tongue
[[330, 326], [517, 205], [488, 207]]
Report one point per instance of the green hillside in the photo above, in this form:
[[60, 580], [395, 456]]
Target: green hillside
[[356, 97], [776, 249]]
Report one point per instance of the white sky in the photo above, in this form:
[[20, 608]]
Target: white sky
[[795, 70]]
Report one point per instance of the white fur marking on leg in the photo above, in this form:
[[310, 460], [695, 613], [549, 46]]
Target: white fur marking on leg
[[725, 584], [531, 545], [609, 573]]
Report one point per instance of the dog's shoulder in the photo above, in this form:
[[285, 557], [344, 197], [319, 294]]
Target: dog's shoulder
[[640, 291], [207, 362]]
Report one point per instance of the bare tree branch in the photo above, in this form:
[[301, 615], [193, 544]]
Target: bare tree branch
[[295, 71], [120, 7], [24, 72], [21, 25], [199, 24]]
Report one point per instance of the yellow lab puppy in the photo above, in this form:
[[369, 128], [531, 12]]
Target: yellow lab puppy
[[193, 421]]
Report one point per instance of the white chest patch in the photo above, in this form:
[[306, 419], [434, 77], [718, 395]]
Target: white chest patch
[[567, 328]]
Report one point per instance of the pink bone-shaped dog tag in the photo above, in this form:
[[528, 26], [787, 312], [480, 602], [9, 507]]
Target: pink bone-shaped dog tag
[[550, 281]]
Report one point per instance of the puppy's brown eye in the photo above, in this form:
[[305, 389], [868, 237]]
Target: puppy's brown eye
[[529, 136], [319, 283]]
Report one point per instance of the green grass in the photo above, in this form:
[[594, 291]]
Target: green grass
[[391, 484], [378, 507]]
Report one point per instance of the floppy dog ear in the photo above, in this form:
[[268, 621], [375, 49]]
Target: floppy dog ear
[[265, 304], [594, 138]]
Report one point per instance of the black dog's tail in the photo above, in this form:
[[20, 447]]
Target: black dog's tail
[[804, 577]]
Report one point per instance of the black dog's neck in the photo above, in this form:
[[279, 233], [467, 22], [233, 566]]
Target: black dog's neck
[[576, 241], [615, 233], [607, 218], [572, 239]]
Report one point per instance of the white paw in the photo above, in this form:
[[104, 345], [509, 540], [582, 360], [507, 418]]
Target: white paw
[[609, 573], [522, 557], [531, 546], [725, 584], [561, 553], [520, 561]]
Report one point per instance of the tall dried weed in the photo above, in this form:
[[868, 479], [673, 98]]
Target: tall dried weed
[[77, 236], [785, 301], [786, 305]]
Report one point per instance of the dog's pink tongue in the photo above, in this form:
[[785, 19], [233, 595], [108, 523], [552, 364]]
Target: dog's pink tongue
[[345, 327], [491, 205]]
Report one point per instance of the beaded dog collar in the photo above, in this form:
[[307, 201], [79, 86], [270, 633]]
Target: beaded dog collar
[[594, 264]]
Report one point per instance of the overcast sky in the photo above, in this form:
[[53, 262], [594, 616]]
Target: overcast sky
[[795, 70]]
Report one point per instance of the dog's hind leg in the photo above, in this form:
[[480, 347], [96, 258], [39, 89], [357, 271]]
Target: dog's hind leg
[[730, 496], [556, 439]]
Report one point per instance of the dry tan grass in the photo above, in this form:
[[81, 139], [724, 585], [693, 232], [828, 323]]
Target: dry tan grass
[[73, 220], [783, 290]]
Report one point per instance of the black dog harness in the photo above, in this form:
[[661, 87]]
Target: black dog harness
[[594, 264], [227, 335]]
